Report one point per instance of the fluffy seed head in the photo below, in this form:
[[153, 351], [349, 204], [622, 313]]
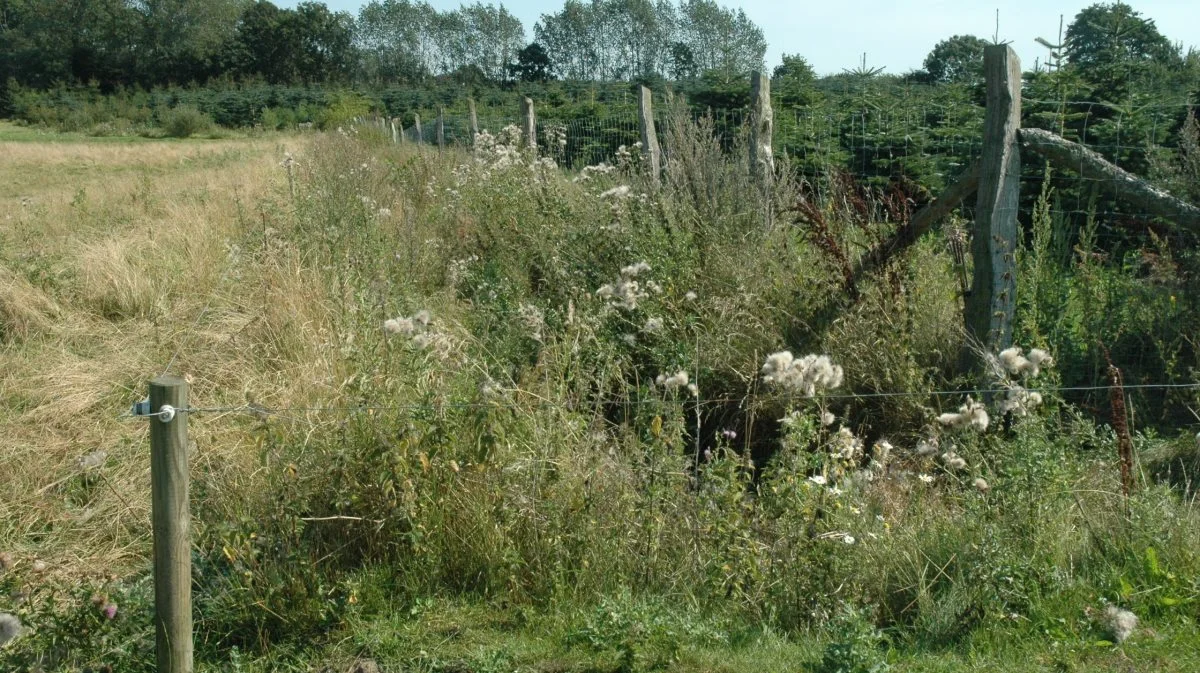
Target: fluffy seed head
[[10, 628], [676, 380], [807, 376], [953, 461], [1120, 623]]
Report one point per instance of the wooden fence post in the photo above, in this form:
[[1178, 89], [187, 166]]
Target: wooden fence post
[[395, 132], [529, 120], [649, 137], [171, 525], [417, 127], [762, 127], [441, 128], [474, 119], [992, 302]]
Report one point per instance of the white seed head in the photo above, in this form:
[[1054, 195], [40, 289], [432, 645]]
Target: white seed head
[[1120, 623], [10, 628]]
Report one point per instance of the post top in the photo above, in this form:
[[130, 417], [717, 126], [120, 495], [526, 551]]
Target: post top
[[167, 381]]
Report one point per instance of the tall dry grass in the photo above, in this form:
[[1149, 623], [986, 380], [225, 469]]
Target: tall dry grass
[[111, 253]]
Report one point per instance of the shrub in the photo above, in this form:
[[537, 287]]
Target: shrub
[[184, 121]]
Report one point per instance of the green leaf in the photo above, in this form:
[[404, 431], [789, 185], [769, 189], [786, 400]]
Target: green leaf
[[1152, 562], [1126, 588]]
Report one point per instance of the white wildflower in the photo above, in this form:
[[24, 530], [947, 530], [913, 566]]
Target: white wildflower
[[835, 491], [533, 319], [1120, 623], [848, 539], [676, 380], [883, 451], [92, 460], [690, 296], [618, 192], [818, 479], [626, 292], [653, 325], [629, 339], [1012, 360], [808, 375], [1015, 363], [633, 270], [791, 420], [845, 446], [925, 478], [402, 326], [1019, 401], [971, 415], [953, 461]]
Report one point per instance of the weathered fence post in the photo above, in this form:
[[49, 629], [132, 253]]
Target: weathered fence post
[[649, 136], [529, 120], [991, 305], [417, 127], [474, 119], [171, 524], [762, 126], [441, 128], [395, 132]]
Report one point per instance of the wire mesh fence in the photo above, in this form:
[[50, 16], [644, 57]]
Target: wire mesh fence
[[1100, 277]]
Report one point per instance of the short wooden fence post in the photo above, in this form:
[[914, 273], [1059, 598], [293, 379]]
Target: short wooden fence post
[[172, 522]]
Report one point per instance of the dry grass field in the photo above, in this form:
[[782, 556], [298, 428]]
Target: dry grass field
[[110, 252]]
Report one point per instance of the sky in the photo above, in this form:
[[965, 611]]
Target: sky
[[896, 34]]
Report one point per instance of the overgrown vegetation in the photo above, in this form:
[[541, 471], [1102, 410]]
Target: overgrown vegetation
[[470, 440]]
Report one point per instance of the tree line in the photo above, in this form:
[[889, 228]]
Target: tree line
[[154, 43]]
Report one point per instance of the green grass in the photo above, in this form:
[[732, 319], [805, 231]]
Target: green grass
[[450, 635]]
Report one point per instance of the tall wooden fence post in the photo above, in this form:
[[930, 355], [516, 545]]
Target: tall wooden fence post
[[395, 132], [992, 303], [474, 119], [762, 127], [649, 136], [417, 127], [529, 120], [441, 128], [172, 523]]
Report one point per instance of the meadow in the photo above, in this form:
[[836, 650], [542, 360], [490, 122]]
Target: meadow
[[473, 412]]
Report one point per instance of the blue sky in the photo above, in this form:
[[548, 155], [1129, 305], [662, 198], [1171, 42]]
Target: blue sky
[[896, 34]]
